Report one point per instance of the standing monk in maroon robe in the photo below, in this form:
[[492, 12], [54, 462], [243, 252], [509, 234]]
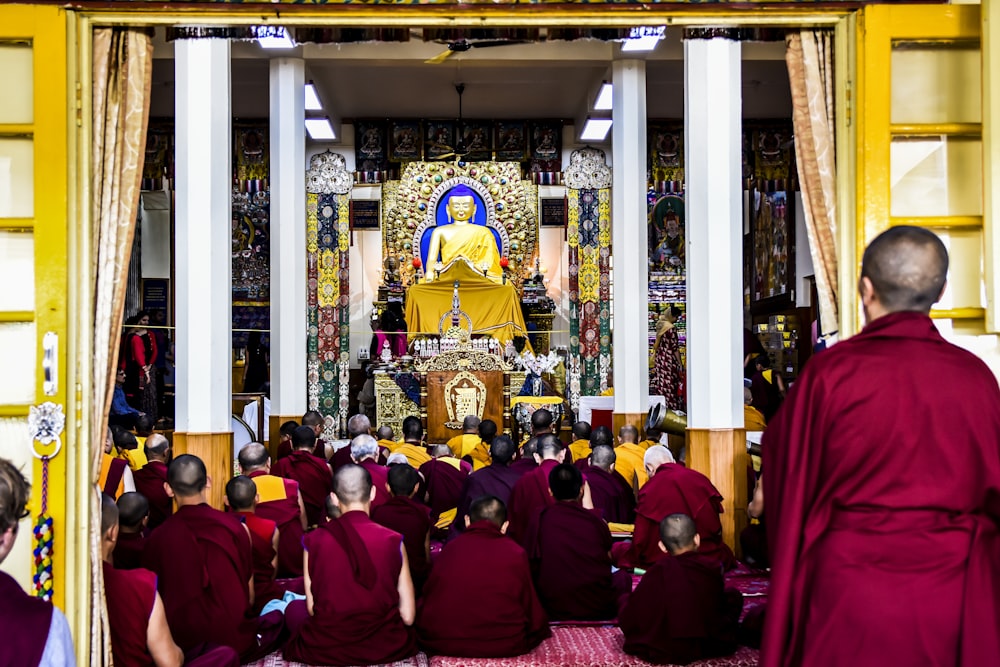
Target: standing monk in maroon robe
[[133, 514], [531, 493], [359, 597], [410, 519], [680, 611], [444, 477], [496, 479], [364, 452], [569, 547], [311, 472], [32, 629], [611, 494], [479, 601], [140, 635], [241, 497], [882, 486], [204, 563], [280, 501], [149, 480], [674, 489]]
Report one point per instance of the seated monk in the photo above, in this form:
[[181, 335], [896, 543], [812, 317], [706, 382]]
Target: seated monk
[[285, 438], [280, 501], [569, 547], [531, 493], [681, 611], [463, 239], [507, 618], [359, 596], [610, 492], [310, 471], [413, 447], [385, 438], [525, 461], [410, 519], [580, 449], [317, 423], [600, 436], [133, 515], [497, 479], [35, 632], [203, 561], [140, 635], [115, 476], [753, 419], [628, 457], [479, 457], [444, 477], [356, 425], [150, 479], [365, 453], [462, 445], [241, 498], [674, 489]]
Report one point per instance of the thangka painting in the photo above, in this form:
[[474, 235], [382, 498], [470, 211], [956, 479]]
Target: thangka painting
[[159, 158], [251, 151], [665, 235], [439, 139], [772, 232], [546, 146], [477, 136], [666, 153], [511, 140], [372, 146], [251, 232], [406, 143]]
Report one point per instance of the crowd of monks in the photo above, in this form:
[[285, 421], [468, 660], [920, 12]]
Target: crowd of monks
[[326, 554]]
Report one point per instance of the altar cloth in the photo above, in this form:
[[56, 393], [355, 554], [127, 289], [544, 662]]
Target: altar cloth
[[494, 309]]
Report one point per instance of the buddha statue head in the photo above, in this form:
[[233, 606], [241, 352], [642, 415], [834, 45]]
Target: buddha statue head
[[461, 204]]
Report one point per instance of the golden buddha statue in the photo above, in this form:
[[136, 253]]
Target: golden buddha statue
[[463, 239]]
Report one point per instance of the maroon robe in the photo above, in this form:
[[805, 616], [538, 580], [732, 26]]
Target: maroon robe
[[314, 478], [528, 497], [493, 480], [342, 457], [25, 621], [611, 494], [282, 507], [443, 483], [261, 539], [128, 551], [204, 562], [882, 499], [411, 520], [523, 465], [570, 552], [506, 618], [149, 482], [354, 567], [680, 612], [285, 448], [380, 478], [675, 489]]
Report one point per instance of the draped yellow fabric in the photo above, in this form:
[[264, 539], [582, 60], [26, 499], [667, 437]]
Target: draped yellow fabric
[[462, 445], [474, 243], [580, 449]]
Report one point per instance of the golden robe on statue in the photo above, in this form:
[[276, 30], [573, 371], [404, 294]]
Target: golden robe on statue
[[474, 243]]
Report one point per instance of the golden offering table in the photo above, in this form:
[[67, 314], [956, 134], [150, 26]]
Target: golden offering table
[[494, 309]]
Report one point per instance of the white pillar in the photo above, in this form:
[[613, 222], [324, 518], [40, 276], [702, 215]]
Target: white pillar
[[288, 238], [714, 232], [203, 236], [630, 343]]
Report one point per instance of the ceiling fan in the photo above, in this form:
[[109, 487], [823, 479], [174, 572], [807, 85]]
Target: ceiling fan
[[460, 150], [463, 45]]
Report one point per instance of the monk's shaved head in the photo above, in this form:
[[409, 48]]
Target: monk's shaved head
[[602, 435], [502, 449], [907, 267], [288, 428], [187, 475], [541, 420], [470, 424], [304, 437], [628, 433], [109, 513], [358, 425], [156, 447], [549, 446], [252, 456], [352, 484], [312, 418], [403, 479], [677, 532], [566, 482], [241, 492], [581, 431], [603, 456], [488, 508], [413, 429], [656, 456], [439, 450], [384, 433], [530, 448], [133, 507], [487, 430]]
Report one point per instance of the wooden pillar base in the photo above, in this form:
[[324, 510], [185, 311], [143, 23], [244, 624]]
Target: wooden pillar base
[[721, 455], [216, 450], [274, 432], [637, 419]]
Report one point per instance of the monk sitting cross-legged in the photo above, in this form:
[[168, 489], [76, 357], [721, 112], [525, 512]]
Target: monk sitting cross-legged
[[203, 560], [279, 501], [409, 518], [241, 497], [569, 547], [610, 492], [311, 472], [681, 611], [133, 515], [496, 479], [580, 449], [359, 597], [531, 493], [365, 453], [413, 447], [385, 438], [629, 458], [140, 635], [503, 616], [444, 477], [150, 479]]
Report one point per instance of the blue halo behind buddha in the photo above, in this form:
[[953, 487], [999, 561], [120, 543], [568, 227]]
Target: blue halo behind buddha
[[441, 218]]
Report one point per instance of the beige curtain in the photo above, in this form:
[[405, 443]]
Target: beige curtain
[[809, 56], [123, 61]]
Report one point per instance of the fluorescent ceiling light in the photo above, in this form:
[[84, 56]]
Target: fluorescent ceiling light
[[320, 129], [595, 129], [643, 39], [603, 101], [273, 37], [312, 99]]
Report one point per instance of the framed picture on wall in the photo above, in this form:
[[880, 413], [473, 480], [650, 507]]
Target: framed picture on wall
[[365, 213], [406, 142], [553, 212], [510, 140], [439, 139], [772, 235], [477, 137]]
